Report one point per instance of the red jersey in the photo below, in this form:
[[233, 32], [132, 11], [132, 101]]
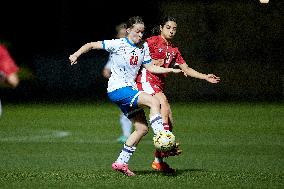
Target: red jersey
[[7, 64], [159, 49]]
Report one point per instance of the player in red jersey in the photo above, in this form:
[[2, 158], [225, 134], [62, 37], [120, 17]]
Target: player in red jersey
[[165, 54], [8, 69]]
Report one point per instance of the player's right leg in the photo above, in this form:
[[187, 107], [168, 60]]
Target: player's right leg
[[153, 103], [141, 129], [165, 108]]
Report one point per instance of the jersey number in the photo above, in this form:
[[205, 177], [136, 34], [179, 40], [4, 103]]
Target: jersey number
[[168, 58], [134, 60]]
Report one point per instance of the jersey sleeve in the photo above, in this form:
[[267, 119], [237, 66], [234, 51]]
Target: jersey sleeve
[[7, 63], [108, 64], [147, 58], [179, 59], [111, 45]]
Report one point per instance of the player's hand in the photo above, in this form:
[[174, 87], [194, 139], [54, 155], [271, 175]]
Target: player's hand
[[184, 74], [212, 78], [73, 59]]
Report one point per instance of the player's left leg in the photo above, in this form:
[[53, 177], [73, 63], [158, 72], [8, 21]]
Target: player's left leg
[[127, 99], [141, 129], [126, 127]]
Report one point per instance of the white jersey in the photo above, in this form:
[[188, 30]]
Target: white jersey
[[126, 60], [109, 62]]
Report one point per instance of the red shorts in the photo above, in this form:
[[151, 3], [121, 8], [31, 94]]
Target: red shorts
[[150, 83], [150, 88]]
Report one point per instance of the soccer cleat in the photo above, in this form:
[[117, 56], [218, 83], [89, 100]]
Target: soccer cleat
[[122, 167], [175, 151], [122, 139], [163, 167]]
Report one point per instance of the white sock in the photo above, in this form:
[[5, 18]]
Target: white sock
[[125, 125], [158, 159], [156, 123], [126, 153]]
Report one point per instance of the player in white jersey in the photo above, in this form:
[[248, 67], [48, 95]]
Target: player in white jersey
[[125, 123], [128, 55]]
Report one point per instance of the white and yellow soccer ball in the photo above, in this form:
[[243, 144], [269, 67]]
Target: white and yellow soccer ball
[[164, 140]]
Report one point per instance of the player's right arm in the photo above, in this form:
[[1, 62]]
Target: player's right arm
[[85, 48]]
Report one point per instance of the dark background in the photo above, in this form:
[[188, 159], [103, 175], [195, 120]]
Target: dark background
[[240, 41]]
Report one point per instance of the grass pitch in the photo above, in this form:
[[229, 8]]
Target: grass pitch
[[225, 145]]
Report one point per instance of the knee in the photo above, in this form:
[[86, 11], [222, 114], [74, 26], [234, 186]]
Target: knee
[[143, 131], [155, 102]]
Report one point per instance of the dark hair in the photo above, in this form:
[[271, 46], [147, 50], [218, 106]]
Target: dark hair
[[120, 26], [162, 22], [134, 20]]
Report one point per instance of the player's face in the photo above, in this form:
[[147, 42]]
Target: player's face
[[135, 33], [168, 31]]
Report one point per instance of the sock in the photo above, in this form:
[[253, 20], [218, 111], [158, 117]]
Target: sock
[[158, 160], [166, 126], [126, 153], [170, 126], [156, 123], [125, 125], [158, 157]]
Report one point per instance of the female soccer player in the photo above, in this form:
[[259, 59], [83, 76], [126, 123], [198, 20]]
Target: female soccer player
[[128, 54], [165, 54]]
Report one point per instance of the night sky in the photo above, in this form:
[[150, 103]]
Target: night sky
[[48, 26]]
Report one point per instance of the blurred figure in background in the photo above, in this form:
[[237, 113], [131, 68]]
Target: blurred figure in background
[[8, 69], [125, 123]]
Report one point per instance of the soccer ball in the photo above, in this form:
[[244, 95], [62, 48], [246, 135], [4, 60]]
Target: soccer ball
[[164, 140]]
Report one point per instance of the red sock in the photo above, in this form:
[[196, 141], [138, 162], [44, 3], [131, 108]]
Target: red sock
[[166, 126], [157, 154]]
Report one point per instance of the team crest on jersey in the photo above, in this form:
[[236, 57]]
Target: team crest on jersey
[[160, 49]]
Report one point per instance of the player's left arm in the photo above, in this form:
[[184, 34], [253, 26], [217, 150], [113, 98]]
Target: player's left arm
[[151, 67], [160, 70], [193, 73]]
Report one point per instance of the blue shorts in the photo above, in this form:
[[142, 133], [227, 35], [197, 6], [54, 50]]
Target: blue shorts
[[127, 100]]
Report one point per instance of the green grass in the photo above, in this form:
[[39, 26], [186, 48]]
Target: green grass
[[225, 145]]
